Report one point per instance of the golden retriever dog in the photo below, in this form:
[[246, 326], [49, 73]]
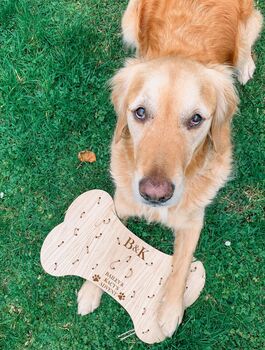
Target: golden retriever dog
[[171, 151]]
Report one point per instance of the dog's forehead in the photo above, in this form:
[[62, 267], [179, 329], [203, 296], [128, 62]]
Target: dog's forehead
[[179, 88]]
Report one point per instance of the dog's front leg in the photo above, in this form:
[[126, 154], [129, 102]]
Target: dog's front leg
[[171, 310]]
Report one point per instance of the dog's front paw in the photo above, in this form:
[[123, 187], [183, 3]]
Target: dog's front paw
[[88, 298], [170, 314], [247, 71], [171, 309]]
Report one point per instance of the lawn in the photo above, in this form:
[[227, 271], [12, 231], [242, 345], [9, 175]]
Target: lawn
[[56, 59]]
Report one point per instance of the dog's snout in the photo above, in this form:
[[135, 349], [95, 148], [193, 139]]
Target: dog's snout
[[156, 190]]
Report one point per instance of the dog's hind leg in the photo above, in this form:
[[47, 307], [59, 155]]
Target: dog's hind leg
[[129, 24], [248, 34]]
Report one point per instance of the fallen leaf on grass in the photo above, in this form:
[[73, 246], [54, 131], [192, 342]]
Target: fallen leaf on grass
[[87, 156]]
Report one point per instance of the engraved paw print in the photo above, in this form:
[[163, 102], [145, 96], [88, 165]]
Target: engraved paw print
[[96, 278], [121, 296]]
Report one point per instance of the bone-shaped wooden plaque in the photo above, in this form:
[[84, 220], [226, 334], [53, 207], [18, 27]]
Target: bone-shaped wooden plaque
[[92, 243]]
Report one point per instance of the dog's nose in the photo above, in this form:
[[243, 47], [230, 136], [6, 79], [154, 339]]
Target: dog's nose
[[156, 190]]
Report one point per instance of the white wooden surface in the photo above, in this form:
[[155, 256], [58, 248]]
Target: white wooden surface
[[92, 243]]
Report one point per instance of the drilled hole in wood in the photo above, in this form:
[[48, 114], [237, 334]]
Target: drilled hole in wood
[[60, 244], [118, 240], [76, 230], [76, 261], [144, 332], [149, 264], [82, 214], [55, 266], [151, 296], [93, 268], [113, 263], [129, 274], [133, 294], [106, 221], [160, 282], [99, 235], [128, 258], [99, 199]]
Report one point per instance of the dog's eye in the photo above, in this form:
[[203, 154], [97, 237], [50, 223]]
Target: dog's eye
[[139, 113], [196, 120]]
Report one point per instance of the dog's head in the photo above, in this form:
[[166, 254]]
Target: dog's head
[[166, 109]]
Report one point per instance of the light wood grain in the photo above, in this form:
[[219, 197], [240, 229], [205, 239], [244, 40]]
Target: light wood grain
[[92, 243]]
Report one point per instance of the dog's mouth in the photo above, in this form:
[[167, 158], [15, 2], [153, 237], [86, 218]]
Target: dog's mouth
[[162, 202]]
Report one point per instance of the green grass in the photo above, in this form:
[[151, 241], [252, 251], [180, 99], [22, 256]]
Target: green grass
[[56, 57]]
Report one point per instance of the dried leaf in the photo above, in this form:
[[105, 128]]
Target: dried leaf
[[87, 156]]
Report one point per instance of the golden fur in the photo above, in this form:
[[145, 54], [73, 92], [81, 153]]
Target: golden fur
[[183, 49], [206, 31]]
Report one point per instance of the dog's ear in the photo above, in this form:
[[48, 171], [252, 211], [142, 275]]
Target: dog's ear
[[226, 106], [120, 85]]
